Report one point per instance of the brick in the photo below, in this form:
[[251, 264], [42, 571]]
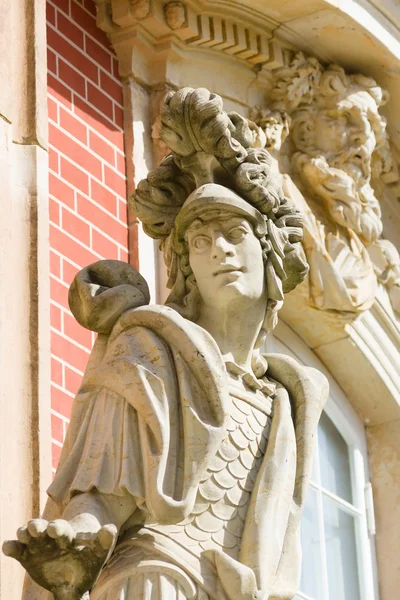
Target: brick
[[58, 292], [111, 87], [121, 164], [115, 181], [75, 57], [90, 6], [98, 122], [115, 70], [62, 5], [104, 197], [69, 147], [102, 220], [55, 317], [103, 245], [74, 225], [73, 380], [88, 24], [56, 372], [55, 264], [61, 402], [50, 13], [72, 125], [52, 110], [74, 175], [71, 77], [134, 253], [118, 116], [59, 90], [123, 255], [73, 330], [57, 428], [54, 211], [98, 53], [70, 352], [54, 163], [100, 101], [69, 272], [60, 190], [70, 30], [101, 148], [70, 248], [51, 61], [122, 211]]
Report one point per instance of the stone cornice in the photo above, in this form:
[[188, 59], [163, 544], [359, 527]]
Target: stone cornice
[[185, 26]]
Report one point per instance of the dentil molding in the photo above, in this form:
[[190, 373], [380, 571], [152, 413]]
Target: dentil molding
[[185, 26]]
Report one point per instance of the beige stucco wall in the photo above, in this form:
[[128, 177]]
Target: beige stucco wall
[[25, 465], [384, 456]]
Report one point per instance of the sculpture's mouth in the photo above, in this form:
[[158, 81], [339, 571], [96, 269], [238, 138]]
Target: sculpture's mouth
[[228, 269]]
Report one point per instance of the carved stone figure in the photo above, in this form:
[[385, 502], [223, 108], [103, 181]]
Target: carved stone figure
[[338, 145], [187, 458]]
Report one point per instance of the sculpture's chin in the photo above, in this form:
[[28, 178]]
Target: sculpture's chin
[[236, 296]]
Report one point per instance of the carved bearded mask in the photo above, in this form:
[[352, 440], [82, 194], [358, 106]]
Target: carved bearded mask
[[335, 144]]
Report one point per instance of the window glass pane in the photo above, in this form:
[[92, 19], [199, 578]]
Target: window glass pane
[[334, 459], [311, 574], [340, 552]]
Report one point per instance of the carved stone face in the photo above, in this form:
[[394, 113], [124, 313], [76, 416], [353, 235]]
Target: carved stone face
[[227, 262]]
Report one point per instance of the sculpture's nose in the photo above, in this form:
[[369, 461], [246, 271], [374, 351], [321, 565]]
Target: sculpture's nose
[[221, 247]]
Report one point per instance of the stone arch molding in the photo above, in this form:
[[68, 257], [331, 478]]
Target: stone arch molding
[[313, 77]]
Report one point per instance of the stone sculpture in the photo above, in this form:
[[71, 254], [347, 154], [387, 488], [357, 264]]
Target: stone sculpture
[[187, 458], [338, 145]]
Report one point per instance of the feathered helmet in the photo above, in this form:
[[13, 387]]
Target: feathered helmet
[[213, 165]]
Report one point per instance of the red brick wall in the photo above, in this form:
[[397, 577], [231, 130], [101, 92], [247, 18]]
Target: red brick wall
[[87, 185]]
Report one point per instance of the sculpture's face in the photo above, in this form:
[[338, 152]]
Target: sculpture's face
[[226, 260]]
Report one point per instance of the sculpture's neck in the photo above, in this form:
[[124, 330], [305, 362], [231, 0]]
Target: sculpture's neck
[[235, 329]]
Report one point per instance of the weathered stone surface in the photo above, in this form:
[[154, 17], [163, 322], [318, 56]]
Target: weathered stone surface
[[184, 438], [338, 145]]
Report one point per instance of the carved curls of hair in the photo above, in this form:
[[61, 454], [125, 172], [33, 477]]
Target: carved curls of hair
[[194, 123]]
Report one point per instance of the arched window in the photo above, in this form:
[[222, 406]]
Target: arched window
[[337, 525]]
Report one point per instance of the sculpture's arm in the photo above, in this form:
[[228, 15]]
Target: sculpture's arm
[[90, 511], [66, 556]]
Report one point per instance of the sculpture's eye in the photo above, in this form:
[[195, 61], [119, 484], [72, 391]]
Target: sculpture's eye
[[237, 233], [199, 242]]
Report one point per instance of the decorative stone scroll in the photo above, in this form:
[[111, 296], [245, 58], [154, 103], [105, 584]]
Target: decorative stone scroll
[[187, 458], [338, 145]]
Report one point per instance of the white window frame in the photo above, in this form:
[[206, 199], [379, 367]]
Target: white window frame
[[351, 427]]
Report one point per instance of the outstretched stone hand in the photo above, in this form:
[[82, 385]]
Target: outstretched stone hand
[[59, 559]]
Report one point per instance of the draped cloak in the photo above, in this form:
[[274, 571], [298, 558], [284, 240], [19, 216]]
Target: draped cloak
[[148, 419]]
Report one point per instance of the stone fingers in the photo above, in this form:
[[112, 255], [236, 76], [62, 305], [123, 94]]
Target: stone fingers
[[23, 535], [107, 536], [37, 527], [100, 542], [13, 549], [62, 532]]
